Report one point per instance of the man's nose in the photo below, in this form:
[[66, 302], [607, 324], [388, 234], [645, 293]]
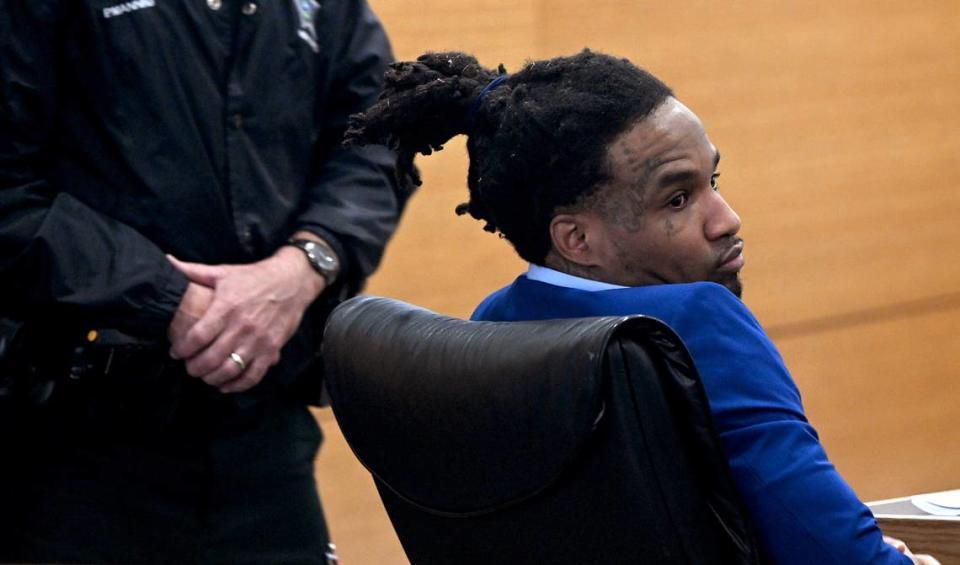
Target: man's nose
[[722, 220]]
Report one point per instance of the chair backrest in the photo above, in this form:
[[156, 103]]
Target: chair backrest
[[565, 441]]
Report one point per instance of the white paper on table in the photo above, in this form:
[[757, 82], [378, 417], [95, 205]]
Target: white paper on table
[[945, 503]]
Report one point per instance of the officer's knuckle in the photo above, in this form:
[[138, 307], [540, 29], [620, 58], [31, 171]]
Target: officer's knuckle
[[248, 326], [201, 334], [273, 343]]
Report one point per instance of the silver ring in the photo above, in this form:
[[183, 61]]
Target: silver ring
[[235, 357]]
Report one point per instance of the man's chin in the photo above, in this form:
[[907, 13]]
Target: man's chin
[[733, 284]]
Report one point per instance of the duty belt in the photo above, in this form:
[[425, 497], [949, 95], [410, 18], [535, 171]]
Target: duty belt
[[106, 352], [34, 358]]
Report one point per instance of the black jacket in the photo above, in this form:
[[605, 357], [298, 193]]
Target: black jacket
[[206, 129]]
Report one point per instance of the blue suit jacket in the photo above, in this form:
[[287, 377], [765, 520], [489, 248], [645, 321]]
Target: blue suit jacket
[[803, 511]]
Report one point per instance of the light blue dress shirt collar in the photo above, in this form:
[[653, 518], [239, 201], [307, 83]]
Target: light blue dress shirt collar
[[556, 278]]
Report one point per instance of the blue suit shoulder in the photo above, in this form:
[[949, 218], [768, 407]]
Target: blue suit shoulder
[[709, 299], [689, 305], [704, 294]]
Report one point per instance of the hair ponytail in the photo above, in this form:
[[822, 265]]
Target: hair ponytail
[[424, 104]]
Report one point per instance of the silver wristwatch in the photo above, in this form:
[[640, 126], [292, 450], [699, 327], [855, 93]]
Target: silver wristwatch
[[321, 257]]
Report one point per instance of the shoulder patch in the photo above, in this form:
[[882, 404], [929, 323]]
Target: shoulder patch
[[127, 7], [307, 12]]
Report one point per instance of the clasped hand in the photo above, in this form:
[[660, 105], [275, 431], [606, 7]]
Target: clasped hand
[[248, 310], [917, 558]]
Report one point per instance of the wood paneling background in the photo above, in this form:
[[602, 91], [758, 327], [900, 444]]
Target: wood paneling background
[[839, 125]]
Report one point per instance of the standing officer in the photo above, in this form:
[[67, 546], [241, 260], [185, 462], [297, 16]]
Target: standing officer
[[175, 213]]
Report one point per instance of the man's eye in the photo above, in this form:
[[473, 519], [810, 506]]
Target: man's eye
[[715, 181], [679, 201]]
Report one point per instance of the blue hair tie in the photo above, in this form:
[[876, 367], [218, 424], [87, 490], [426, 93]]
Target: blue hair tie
[[475, 108]]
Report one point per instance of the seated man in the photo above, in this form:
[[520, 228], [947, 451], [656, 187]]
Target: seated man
[[607, 184]]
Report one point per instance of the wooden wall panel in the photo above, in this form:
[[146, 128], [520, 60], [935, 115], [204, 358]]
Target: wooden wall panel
[[500, 30], [838, 124], [883, 396]]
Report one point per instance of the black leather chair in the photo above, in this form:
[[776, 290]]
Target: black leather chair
[[564, 441]]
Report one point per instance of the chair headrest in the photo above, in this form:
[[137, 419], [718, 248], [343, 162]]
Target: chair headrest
[[515, 400]]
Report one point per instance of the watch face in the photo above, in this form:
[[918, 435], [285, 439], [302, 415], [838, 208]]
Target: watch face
[[320, 259]]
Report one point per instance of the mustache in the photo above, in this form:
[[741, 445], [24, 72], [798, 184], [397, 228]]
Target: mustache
[[733, 248]]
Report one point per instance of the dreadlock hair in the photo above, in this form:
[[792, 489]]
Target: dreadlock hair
[[537, 142]]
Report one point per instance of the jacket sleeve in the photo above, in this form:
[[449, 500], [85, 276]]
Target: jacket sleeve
[[802, 509], [353, 194], [58, 255]]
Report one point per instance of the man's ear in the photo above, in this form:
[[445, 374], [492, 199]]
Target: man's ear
[[573, 237]]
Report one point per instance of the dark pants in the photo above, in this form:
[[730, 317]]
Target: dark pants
[[124, 470]]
